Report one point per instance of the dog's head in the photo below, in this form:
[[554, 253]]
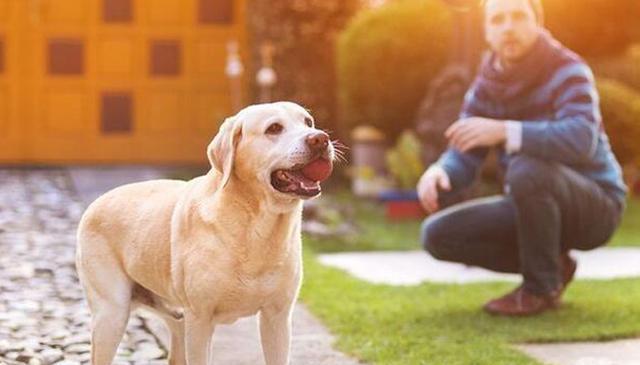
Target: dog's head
[[275, 148]]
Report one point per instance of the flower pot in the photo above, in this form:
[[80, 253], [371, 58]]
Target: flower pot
[[402, 205]]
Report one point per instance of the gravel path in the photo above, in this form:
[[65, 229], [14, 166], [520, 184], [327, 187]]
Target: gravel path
[[43, 316]]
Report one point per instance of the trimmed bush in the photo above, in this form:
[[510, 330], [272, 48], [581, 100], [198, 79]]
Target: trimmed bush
[[386, 58], [624, 67], [593, 27], [621, 114]]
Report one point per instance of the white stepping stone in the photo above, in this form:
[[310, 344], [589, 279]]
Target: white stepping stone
[[415, 267], [624, 352]]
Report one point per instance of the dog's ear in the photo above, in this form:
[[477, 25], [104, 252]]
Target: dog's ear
[[221, 150]]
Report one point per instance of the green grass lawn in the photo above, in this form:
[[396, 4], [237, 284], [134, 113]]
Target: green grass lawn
[[375, 233], [444, 324], [629, 232]]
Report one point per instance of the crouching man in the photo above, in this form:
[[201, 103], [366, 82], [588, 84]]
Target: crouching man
[[536, 102]]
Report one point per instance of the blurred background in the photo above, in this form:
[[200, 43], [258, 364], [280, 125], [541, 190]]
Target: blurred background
[[98, 93], [100, 83], [140, 81]]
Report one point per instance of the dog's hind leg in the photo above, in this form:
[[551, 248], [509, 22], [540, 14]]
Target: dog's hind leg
[[108, 290], [107, 327], [110, 313], [109, 317]]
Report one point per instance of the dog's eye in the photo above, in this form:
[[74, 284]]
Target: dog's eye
[[308, 122], [275, 128]]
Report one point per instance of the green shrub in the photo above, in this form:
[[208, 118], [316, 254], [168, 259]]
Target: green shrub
[[386, 58], [621, 114], [624, 67], [404, 161], [593, 27]]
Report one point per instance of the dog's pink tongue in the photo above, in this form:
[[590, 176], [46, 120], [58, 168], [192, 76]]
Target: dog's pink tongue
[[318, 170]]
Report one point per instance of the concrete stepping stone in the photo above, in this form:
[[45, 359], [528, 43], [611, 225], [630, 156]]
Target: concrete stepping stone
[[623, 352], [415, 267]]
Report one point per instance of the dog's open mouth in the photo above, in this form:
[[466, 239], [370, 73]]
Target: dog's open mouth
[[302, 180]]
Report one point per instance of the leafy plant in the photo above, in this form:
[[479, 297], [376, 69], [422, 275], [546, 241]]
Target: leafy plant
[[404, 161], [624, 67], [620, 106]]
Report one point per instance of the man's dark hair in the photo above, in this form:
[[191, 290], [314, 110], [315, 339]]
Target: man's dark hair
[[536, 5]]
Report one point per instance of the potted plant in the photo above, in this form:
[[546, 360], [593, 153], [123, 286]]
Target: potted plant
[[404, 164]]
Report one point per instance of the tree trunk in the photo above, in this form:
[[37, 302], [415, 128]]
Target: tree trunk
[[303, 33]]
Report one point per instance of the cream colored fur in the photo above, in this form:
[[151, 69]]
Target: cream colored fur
[[203, 252]]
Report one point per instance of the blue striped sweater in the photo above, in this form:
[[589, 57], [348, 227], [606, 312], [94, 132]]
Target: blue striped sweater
[[552, 93]]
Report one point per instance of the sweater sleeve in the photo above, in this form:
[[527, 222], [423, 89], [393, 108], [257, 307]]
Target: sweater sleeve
[[571, 137], [462, 167]]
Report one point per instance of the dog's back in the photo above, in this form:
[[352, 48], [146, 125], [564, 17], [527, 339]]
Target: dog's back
[[124, 227]]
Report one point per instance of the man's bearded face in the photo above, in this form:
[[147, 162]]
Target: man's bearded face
[[511, 28]]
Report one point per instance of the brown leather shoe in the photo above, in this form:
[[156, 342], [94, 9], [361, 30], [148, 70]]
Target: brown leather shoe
[[522, 303], [569, 266]]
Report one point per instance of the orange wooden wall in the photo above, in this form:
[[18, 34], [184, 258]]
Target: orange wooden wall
[[100, 81]]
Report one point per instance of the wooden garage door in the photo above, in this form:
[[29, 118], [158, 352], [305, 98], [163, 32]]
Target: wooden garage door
[[12, 134], [119, 80]]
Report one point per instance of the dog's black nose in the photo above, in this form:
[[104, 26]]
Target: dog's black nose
[[318, 142]]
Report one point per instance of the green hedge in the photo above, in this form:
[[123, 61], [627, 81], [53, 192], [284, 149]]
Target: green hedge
[[593, 27], [624, 67], [386, 58], [621, 114]]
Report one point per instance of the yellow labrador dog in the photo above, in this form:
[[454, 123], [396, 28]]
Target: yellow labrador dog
[[211, 250]]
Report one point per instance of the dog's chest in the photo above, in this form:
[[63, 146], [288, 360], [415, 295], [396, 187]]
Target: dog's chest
[[246, 294]]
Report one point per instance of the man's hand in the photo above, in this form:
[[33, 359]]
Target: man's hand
[[435, 177], [469, 133]]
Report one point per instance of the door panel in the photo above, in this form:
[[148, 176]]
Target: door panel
[[212, 106], [12, 136], [65, 112], [62, 13], [113, 80], [164, 108], [116, 57], [167, 13]]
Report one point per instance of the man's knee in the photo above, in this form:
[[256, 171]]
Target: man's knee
[[434, 236], [528, 175]]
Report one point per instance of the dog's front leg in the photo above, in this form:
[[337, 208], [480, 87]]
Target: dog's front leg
[[275, 334], [197, 336]]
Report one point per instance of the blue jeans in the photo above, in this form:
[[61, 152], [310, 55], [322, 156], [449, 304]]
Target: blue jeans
[[547, 210]]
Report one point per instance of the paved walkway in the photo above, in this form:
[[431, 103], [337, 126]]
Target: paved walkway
[[239, 344], [415, 267], [624, 352]]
